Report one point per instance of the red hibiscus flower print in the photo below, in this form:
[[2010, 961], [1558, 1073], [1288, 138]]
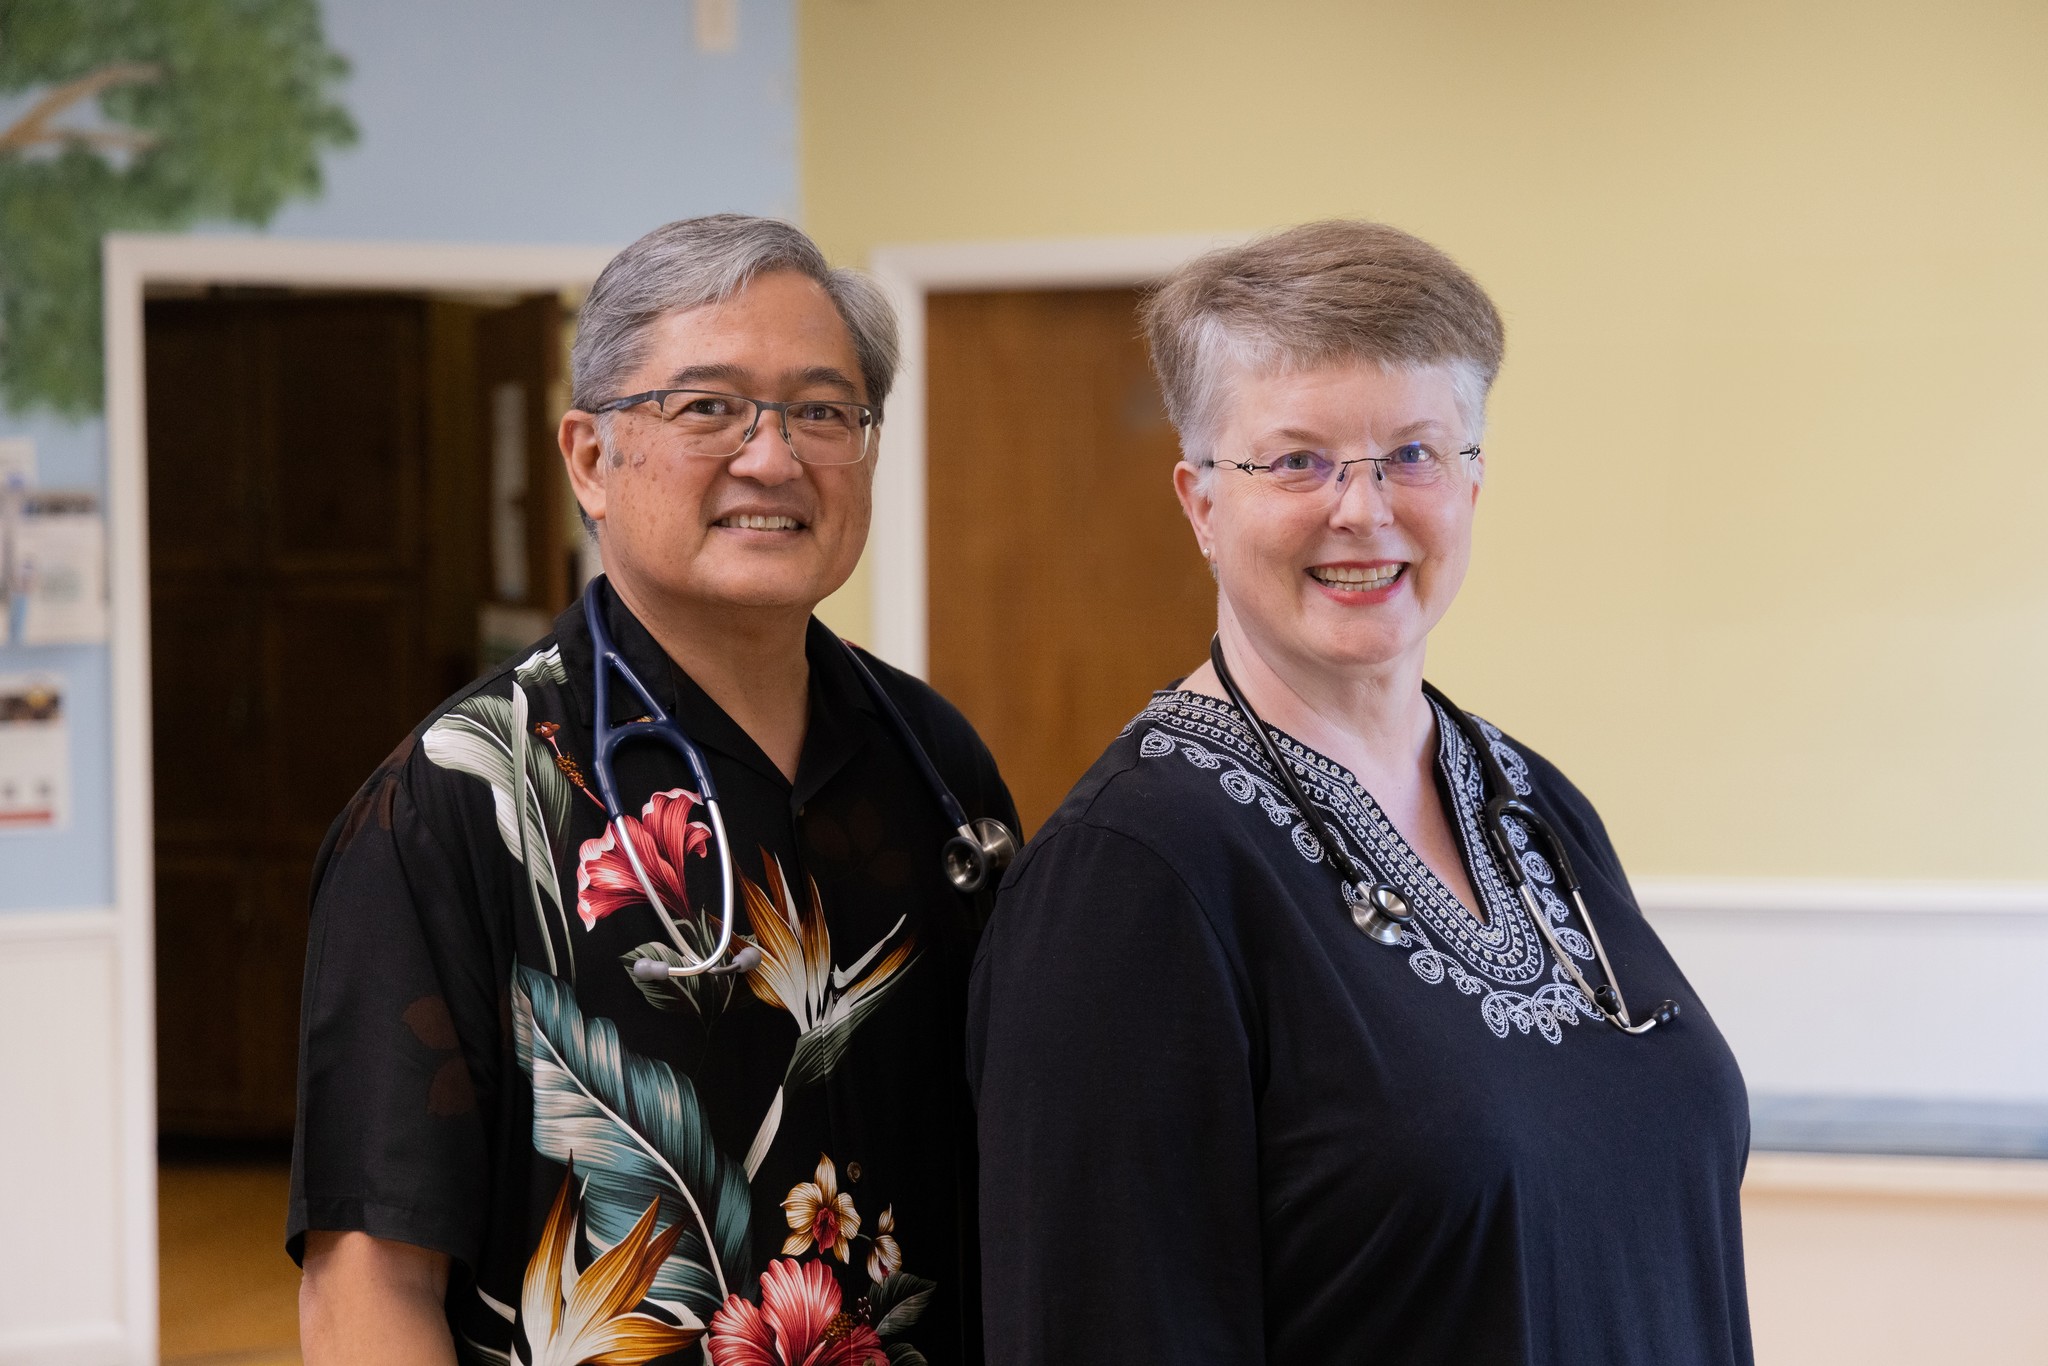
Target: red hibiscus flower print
[[799, 1323], [663, 835]]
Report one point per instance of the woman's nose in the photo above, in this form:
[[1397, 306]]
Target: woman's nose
[[1363, 498]]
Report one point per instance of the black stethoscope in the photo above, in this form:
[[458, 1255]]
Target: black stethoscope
[[977, 851], [1383, 913]]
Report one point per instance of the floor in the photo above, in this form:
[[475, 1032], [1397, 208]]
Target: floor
[[230, 1295]]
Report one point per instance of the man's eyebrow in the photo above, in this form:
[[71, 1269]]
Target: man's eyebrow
[[696, 376], [828, 376], [737, 379]]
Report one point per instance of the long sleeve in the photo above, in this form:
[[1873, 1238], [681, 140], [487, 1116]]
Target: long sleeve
[[1115, 1063]]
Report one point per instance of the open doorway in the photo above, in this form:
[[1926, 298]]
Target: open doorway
[[354, 506]]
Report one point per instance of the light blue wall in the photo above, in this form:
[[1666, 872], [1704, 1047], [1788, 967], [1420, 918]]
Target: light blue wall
[[588, 121]]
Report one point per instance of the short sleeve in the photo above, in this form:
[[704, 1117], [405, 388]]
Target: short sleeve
[[399, 1044], [1114, 1065]]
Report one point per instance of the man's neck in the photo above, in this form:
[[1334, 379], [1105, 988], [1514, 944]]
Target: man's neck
[[750, 661]]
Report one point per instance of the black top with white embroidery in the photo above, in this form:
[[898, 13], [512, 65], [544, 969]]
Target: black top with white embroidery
[[1219, 1124], [653, 1171]]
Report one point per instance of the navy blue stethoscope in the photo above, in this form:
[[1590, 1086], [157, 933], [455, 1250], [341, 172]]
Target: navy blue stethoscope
[[977, 851], [1382, 913]]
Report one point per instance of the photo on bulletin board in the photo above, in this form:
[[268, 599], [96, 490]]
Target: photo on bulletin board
[[35, 754]]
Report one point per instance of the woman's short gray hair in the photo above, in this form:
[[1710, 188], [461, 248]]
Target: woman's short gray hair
[[1315, 295], [697, 261]]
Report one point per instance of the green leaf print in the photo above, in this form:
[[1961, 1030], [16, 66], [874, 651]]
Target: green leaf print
[[632, 1129], [478, 738]]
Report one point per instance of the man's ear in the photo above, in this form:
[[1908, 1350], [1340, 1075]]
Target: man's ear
[[583, 455]]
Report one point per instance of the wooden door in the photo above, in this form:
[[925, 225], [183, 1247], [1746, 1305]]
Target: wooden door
[[318, 483], [1064, 584], [286, 450]]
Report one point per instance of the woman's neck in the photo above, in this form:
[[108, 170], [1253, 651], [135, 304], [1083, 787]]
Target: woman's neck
[[1375, 721]]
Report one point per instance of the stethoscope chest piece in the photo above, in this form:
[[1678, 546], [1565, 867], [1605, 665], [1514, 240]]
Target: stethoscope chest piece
[[1380, 912], [972, 862]]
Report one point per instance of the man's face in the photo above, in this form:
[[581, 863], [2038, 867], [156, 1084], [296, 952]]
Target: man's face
[[759, 529]]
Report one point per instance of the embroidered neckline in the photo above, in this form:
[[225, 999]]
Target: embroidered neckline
[[1502, 959]]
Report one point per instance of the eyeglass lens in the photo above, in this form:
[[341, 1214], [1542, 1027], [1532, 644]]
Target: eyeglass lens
[[820, 431], [1411, 466]]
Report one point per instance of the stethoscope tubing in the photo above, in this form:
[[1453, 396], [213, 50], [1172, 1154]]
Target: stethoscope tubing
[[977, 851], [605, 740]]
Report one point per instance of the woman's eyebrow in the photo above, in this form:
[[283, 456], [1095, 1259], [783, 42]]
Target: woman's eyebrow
[[1303, 435]]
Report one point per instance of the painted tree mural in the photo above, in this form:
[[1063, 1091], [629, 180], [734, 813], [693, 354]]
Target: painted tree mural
[[140, 115]]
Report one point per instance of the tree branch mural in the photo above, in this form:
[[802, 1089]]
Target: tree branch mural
[[141, 116]]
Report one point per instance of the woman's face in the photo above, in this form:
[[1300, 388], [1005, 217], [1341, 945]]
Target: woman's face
[[1352, 576]]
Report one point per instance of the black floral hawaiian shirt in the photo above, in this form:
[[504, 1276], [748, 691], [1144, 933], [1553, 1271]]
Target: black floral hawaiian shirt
[[752, 1170]]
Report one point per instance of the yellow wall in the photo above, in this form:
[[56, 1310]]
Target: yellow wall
[[1762, 562]]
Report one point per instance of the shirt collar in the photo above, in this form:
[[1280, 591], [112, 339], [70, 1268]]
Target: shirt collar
[[840, 705]]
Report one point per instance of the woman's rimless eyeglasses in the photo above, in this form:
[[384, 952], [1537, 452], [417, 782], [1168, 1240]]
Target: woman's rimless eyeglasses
[[1413, 465]]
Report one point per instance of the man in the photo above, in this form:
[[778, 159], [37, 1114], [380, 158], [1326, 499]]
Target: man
[[511, 1146]]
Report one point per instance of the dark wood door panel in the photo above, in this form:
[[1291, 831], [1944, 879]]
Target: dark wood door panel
[[345, 426], [340, 667], [207, 707], [1064, 585], [205, 907], [204, 396]]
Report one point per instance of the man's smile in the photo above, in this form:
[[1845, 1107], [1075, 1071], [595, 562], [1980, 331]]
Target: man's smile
[[759, 521]]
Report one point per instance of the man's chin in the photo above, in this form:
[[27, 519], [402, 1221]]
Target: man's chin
[[734, 590]]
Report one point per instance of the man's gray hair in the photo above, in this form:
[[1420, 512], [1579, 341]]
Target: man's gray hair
[[697, 261], [1315, 295]]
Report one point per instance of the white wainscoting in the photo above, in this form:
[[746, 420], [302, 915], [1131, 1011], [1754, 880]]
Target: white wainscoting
[[77, 1212], [1911, 990]]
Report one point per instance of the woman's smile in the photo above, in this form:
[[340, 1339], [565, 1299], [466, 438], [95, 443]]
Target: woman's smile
[[1356, 585]]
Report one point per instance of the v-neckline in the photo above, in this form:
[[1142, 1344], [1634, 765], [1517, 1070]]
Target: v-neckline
[[1441, 771]]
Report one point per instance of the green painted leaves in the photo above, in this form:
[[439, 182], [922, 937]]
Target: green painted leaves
[[633, 1131]]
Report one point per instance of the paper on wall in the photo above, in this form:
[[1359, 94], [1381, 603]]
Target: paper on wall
[[35, 754], [56, 568]]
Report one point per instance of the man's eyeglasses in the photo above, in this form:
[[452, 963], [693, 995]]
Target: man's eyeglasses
[[704, 422], [1416, 465]]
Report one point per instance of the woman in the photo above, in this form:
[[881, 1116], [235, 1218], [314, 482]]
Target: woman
[[1260, 1083]]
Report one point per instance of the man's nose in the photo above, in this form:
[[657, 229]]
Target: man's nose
[[767, 457]]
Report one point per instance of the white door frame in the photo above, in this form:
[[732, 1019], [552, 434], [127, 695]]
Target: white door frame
[[132, 263], [896, 541]]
